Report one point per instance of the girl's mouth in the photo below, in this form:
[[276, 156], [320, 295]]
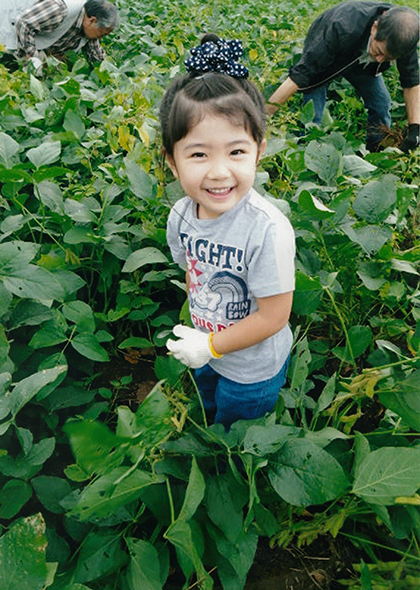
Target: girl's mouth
[[219, 192]]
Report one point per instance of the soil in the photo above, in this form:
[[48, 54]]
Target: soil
[[318, 566]]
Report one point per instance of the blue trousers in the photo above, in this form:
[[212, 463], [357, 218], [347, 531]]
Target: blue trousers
[[226, 401], [375, 95]]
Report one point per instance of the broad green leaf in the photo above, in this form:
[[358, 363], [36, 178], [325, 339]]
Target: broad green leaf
[[144, 568], [15, 255], [8, 148], [73, 122], [404, 399], [387, 473], [299, 364], [104, 496], [27, 465], [194, 494], [29, 313], [359, 338], [240, 556], [355, 166], [135, 342], [81, 314], [50, 490], [375, 200], [22, 555], [144, 256], [370, 237], [87, 345], [51, 196], [36, 87], [313, 206], [327, 395], [26, 389], [221, 507], [179, 534], [267, 439], [324, 159], [13, 496], [100, 554], [45, 154], [33, 282], [96, 449], [139, 181], [307, 295], [304, 474]]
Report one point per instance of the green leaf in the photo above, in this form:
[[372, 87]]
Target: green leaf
[[355, 166], [51, 196], [195, 492], [404, 399], [80, 313], [370, 237], [100, 554], [222, 509], [375, 200], [387, 473], [22, 555], [144, 256], [135, 342], [73, 122], [33, 282], [144, 568], [139, 181], [26, 389], [308, 294], [313, 206], [267, 439], [13, 496], [8, 148], [359, 338], [50, 490], [179, 534], [324, 159], [87, 345], [104, 496], [45, 154], [304, 474]]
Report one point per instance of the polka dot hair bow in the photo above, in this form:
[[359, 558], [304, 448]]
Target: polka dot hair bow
[[217, 56]]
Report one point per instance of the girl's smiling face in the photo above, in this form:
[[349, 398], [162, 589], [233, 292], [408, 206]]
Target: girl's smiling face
[[216, 164]]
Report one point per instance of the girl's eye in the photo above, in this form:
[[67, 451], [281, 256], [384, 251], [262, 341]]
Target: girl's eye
[[237, 152], [198, 155]]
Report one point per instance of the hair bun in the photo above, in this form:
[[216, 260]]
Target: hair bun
[[217, 55]]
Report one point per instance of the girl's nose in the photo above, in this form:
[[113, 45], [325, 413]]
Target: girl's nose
[[218, 169]]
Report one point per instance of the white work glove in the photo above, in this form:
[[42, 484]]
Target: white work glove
[[194, 348]]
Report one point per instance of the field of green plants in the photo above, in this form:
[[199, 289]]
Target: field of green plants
[[96, 493]]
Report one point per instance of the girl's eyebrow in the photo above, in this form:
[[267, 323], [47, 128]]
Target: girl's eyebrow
[[194, 146]]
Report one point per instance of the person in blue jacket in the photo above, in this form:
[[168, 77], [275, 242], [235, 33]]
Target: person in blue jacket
[[358, 41]]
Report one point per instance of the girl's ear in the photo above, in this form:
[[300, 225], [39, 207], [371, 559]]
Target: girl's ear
[[171, 163], [261, 149]]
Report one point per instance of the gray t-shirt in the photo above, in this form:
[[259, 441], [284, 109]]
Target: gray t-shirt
[[244, 254]]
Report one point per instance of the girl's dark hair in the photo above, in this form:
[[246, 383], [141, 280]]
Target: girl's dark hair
[[191, 97], [399, 28]]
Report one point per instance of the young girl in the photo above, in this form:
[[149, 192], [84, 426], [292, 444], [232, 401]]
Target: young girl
[[237, 248]]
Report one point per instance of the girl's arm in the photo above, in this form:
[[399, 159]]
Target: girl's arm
[[271, 316]]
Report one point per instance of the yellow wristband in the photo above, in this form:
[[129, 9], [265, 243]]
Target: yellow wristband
[[214, 353]]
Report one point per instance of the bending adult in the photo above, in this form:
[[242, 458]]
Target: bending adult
[[32, 29], [358, 40]]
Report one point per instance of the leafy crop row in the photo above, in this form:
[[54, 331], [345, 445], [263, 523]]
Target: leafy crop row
[[96, 494]]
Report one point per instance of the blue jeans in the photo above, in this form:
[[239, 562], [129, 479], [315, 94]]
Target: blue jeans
[[375, 95], [227, 401]]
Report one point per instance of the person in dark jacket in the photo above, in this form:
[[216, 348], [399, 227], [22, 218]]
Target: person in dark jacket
[[359, 40]]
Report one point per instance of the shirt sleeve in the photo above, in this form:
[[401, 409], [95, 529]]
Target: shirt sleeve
[[173, 238], [94, 51], [43, 17], [271, 266], [408, 68]]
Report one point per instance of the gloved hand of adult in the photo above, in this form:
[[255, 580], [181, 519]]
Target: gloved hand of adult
[[193, 348], [411, 140]]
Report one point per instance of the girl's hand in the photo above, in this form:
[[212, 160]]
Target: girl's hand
[[194, 348]]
